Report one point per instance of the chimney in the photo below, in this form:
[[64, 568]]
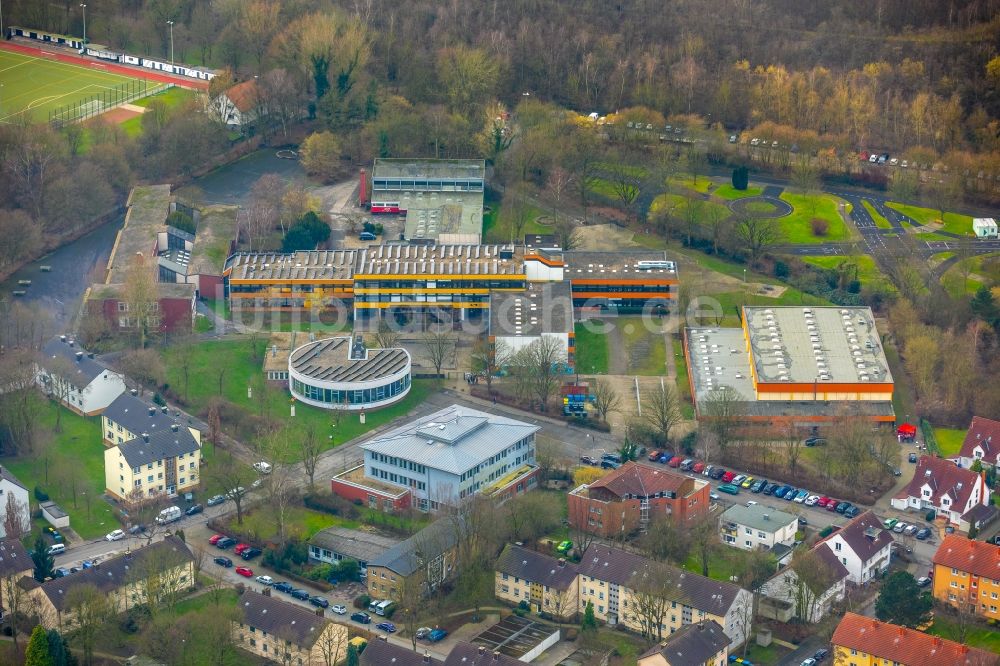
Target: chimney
[[320, 612], [427, 658], [134, 392], [79, 356], [496, 655], [482, 650], [767, 517], [145, 436], [70, 343], [62, 338], [901, 630], [90, 355], [562, 561], [173, 426], [163, 409], [152, 411]]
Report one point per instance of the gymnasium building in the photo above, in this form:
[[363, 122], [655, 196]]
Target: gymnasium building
[[797, 365]]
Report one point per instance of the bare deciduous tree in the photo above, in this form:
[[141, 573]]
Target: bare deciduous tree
[[489, 358], [606, 398], [16, 519], [757, 234], [141, 299], [386, 337], [661, 408], [438, 345], [654, 588], [235, 477]]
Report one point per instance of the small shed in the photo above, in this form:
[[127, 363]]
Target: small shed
[[984, 227], [54, 514]]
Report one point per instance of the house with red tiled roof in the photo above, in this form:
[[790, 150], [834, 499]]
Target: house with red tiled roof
[[634, 495], [863, 546], [982, 443], [864, 641], [956, 494], [967, 575], [240, 105]]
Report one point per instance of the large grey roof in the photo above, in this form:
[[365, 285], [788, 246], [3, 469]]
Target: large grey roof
[[454, 439], [14, 559], [758, 517], [332, 360], [408, 556], [536, 567], [161, 445], [85, 369], [287, 621], [540, 308], [382, 653], [692, 644], [361, 546], [138, 416]]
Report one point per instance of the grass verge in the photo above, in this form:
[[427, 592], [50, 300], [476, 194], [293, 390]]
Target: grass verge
[[867, 270], [729, 193], [591, 351], [986, 638], [952, 222], [683, 386], [877, 217], [797, 225]]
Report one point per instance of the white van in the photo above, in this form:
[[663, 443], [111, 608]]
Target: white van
[[57, 548], [382, 608], [262, 467], [169, 515]]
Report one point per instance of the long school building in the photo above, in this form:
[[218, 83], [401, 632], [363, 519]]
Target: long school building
[[444, 282]]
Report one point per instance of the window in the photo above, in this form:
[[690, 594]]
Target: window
[[838, 547]]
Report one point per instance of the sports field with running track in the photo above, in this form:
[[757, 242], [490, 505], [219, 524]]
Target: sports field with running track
[[35, 86]]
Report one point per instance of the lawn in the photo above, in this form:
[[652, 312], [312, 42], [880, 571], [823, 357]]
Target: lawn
[[949, 440], [867, 271], [723, 563], [602, 187], [772, 654], [701, 185], [983, 269], [38, 86], [299, 521], [797, 227], [987, 638], [172, 97], [931, 236], [730, 193], [645, 350], [879, 219], [683, 386], [679, 203], [226, 597], [953, 222], [76, 462], [496, 226], [235, 359], [591, 351]]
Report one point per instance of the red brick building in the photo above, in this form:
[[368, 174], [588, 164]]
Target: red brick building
[[175, 305], [354, 486], [634, 495]]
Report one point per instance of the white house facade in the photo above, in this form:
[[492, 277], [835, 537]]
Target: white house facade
[[756, 527], [13, 497], [863, 547], [951, 491], [75, 378]]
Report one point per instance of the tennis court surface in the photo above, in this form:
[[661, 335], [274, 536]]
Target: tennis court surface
[[38, 87]]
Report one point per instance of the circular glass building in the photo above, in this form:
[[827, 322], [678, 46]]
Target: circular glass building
[[341, 373]]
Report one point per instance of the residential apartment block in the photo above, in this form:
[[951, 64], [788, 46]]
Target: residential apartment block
[[864, 641], [547, 584], [286, 633], [426, 560], [167, 462], [635, 495], [967, 575], [128, 417], [700, 644], [757, 527], [608, 577], [71, 375], [863, 546]]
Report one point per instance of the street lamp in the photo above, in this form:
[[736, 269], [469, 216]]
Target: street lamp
[[171, 24], [84, 23]]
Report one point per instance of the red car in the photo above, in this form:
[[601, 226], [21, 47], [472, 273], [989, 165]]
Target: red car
[[832, 505], [676, 461], [215, 539], [654, 456], [727, 477], [822, 501], [698, 467], [240, 547], [244, 571]]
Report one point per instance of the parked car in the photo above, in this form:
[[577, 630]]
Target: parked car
[[53, 533], [193, 509], [739, 479], [246, 572], [912, 457], [224, 562], [319, 601], [686, 465], [718, 473], [340, 609], [801, 496], [698, 467], [225, 542], [115, 535], [811, 500], [713, 495], [729, 489], [437, 635], [727, 477], [387, 627], [852, 511], [264, 580], [250, 553], [923, 533], [823, 501], [654, 456], [610, 464], [215, 538], [758, 486], [821, 654], [923, 581], [842, 507], [675, 462], [769, 488], [910, 530], [808, 662], [422, 632], [791, 495], [747, 482], [899, 527], [590, 460], [137, 529], [815, 441], [889, 523], [363, 618], [300, 594], [215, 500], [564, 546], [62, 572], [780, 491], [284, 587], [665, 458], [240, 547], [832, 505], [803, 521]]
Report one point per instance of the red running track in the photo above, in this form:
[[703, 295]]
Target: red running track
[[124, 70]]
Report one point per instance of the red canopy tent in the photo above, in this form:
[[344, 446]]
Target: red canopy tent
[[906, 431]]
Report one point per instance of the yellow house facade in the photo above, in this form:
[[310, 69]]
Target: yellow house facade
[[546, 584], [288, 634], [163, 463], [967, 575]]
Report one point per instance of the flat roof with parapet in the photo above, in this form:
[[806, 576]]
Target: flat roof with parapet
[[331, 360], [810, 344], [540, 308], [148, 208], [514, 636], [419, 260], [216, 230], [163, 290], [611, 265], [428, 168], [305, 265], [431, 214]]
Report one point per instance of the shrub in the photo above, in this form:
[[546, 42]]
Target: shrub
[[688, 442], [362, 601], [41, 495], [819, 226], [780, 269], [930, 516], [741, 178]]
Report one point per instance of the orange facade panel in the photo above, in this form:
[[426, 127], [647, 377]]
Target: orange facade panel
[[624, 294], [824, 387], [554, 263], [629, 282]]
